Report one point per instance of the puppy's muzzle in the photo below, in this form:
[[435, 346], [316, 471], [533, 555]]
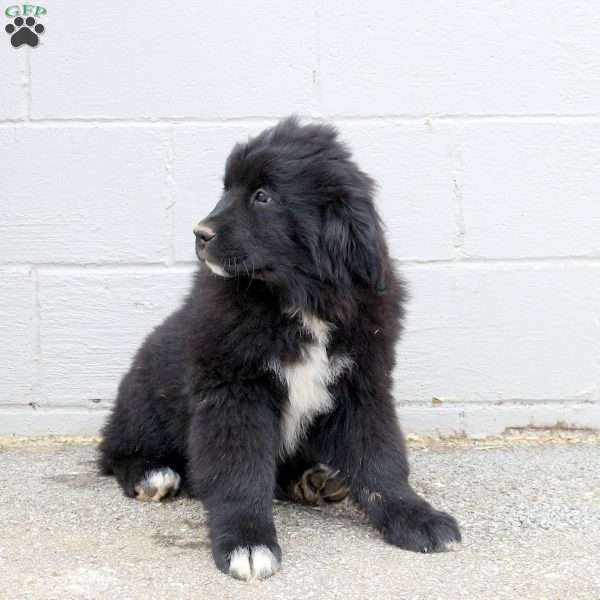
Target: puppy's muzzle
[[204, 234]]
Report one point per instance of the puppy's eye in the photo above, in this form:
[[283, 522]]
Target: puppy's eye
[[262, 197]]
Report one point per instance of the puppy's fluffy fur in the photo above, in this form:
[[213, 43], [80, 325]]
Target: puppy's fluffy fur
[[280, 359]]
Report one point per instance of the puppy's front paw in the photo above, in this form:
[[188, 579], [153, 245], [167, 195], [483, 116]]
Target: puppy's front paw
[[422, 529], [258, 562]]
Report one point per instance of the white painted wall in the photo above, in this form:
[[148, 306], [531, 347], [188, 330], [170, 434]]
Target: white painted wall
[[481, 122]]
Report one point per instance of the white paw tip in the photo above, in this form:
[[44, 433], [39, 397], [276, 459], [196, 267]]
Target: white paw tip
[[264, 563], [453, 546], [239, 564], [257, 561], [157, 484]]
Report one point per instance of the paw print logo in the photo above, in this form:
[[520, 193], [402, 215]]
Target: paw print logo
[[24, 31]]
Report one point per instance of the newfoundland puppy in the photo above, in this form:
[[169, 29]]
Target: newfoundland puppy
[[274, 377]]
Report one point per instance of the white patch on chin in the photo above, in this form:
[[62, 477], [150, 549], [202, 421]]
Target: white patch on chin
[[256, 561], [307, 382], [157, 484], [217, 269]]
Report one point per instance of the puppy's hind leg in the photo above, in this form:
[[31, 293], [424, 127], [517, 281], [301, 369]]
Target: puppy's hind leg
[[321, 485], [141, 470], [137, 449], [146, 479], [307, 482]]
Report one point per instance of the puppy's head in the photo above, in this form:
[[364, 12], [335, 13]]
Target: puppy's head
[[295, 208]]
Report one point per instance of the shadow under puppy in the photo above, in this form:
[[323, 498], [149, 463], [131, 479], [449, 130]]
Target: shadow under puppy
[[274, 378]]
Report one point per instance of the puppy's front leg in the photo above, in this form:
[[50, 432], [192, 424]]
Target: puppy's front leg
[[232, 448], [363, 440]]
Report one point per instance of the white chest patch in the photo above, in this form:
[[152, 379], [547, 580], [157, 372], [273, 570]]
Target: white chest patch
[[307, 382]]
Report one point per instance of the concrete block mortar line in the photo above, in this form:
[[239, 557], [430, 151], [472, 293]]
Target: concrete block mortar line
[[438, 402], [420, 118], [37, 317], [22, 268], [171, 199], [457, 195], [184, 266], [266, 120], [105, 406], [27, 84], [114, 268], [317, 71], [162, 121], [471, 262]]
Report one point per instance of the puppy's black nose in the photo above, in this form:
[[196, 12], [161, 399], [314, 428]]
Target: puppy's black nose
[[204, 233]]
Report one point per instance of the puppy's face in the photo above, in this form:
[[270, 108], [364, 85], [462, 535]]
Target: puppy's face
[[270, 211], [296, 211], [249, 232]]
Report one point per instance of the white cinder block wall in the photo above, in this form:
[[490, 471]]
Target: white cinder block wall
[[481, 122]]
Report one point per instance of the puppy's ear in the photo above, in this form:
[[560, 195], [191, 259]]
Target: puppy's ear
[[355, 245]]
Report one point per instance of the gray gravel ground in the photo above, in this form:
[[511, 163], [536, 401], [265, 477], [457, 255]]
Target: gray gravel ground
[[529, 506]]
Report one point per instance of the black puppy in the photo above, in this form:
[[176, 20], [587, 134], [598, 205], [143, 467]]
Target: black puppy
[[274, 377]]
